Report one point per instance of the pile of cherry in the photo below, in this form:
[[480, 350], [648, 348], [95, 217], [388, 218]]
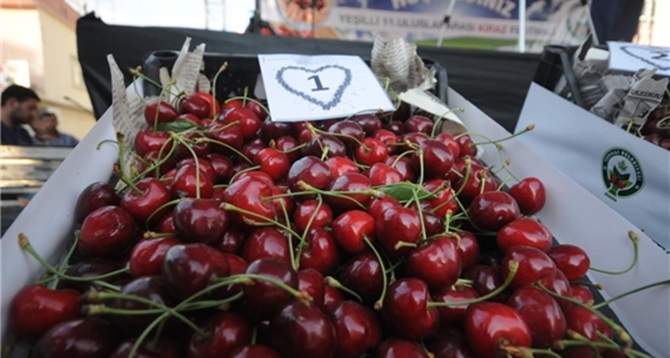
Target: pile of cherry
[[657, 128], [231, 235]]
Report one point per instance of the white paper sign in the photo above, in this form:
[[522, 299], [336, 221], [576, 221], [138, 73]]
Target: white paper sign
[[627, 173], [630, 57], [300, 88]]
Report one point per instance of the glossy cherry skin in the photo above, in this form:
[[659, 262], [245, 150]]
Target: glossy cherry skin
[[586, 323], [406, 312], [255, 351], [153, 288], [227, 135], [436, 262], [468, 248], [493, 210], [325, 143], [572, 260], [371, 151], [159, 111], [273, 162], [485, 279], [248, 193], [533, 265], [454, 316], [197, 106], [303, 330], [264, 299], [488, 325], [248, 121], [559, 284], [94, 196], [106, 232], [94, 266], [396, 227], [189, 268], [351, 228], [348, 185], [349, 132], [449, 343], [310, 281], [449, 140], [363, 274], [228, 331], [313, 213], [437, 158], [266, 242], [403, 165], [387, 137], [357, 329], [164, 348], [470, 186], [146, 258], [148, 140], [310, 170], [82, 338], [189, 182], [35, 309], [320, 251], [341, 165], [381, 174], [524, 231], [200, 220], [530, 194], [369, 122], [443, 197], [400, 348], [142, 205], [466, 146], [541, 313]]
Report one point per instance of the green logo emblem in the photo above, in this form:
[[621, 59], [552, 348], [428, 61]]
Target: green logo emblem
[[622, 173]]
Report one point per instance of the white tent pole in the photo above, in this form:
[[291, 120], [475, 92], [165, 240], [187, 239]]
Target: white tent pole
[[521, 45], [447, 19]]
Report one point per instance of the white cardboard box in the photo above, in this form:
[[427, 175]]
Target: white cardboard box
[[573, 215]]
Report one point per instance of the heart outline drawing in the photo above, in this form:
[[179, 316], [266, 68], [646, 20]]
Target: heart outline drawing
[[337, 96], [628, 51]]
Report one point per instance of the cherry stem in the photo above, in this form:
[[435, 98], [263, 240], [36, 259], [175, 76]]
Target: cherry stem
[[380, 302], [195, 159], [273, 144], [526, 352], [303, 238], [513, 268], [161, 208], [424, 236], [214, 81], [317, 130], [633, 237], [340, 194], [529, 128], [25, 244], [628, 293], [482, 181], [443, 117], [466, 176], [295, 263], [137, 73], [332, 282], [66, 260], [621, 333], [123, 176], [231, 207]]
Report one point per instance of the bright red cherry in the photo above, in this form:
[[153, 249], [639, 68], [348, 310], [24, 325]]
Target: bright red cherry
[[490, 326]]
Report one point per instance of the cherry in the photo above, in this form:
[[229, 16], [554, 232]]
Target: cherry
[[190, 182], [436, 156], [490, 326], [357, 329], [148, 140], [436, 262], [530, 194], [273, 130], [325, 145], [387, 137], [331, 298], [272, 162], [349, 132], [541, 313], [143, 201], [153, 288], [533, 265], [228, 332], [229, 136], [188, 268], [524, 232], [443, 199], [381, 174], [559, 284], [264, 299], [320, 251], [466, 146], [449, 343], [222, 166], [454, 316], [586, 323], [35, 309], [200, 220], [204, 164], [288, 145], [156, 159], [248, 193], [94, 196], [371, 151], [249, 122], [198, 106], [485, 279], [493, 210], [310, 282], [81, 338], [400, 348], [404, 166], [311, 170], [165, 224], [312, 213], [231, 242], [406, 312], [266, 242], [341, 165], [449, 140], [369, 122], [411, 140], [146, 258], [417, 123], [580, 293], [255, 351], [378, 205], [163, 348], [303, 330], [89, 267], [351, 228], [572, 260], [106, 232], [237, 266], [468, 248], [363, 275], [348, 184], [398, 229], [251, 148], [159, 111], [192, 143], [477, 182]]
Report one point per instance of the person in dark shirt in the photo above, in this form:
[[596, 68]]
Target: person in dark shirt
[[46, 131], [19, 107]]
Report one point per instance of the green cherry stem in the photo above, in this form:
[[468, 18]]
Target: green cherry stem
[[380, 302], [332, 282], [424, 236], [524, 352], [227, 146], [529, 128], [633, 237], [439, 119], [466, 176], [214, 82], [162, 207], [66, 260], [231, 207], [195, 159], [513, 268], [642, 288], [303, 238], [295, 261]]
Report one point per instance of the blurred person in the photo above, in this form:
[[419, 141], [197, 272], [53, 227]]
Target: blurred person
[[46, 131], [19, 107], [616, 20]]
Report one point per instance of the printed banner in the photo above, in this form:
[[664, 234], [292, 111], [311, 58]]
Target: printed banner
[[479, 23]]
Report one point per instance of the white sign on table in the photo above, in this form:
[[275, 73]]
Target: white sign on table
[[300, 88], [625, 56]]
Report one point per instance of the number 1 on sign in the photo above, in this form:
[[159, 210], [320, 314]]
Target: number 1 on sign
[[317, 82]]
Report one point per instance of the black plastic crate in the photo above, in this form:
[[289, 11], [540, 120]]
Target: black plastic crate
[[243, 70]]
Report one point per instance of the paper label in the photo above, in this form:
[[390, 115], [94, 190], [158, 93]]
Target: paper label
[[631, 57], [306, 88]]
